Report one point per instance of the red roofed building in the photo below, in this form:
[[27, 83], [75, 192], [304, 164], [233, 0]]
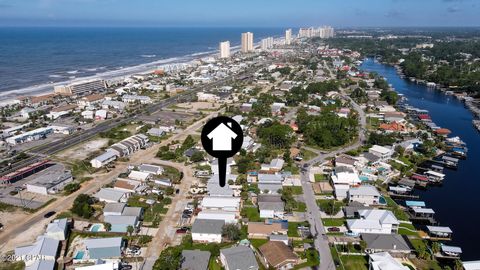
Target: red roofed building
[[443, 131], [393, 127]]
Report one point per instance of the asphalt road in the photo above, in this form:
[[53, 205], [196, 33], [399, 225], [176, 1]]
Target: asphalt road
[[313, 211], [42, 151]]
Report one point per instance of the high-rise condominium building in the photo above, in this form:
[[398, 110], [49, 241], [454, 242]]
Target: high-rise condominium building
[[247, 42], [288, 36], [321, 32], [225, 49], [267, 43]]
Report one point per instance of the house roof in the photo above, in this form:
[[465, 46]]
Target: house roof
[[221, 202], [123, 184], [109, 194], [121, 220], [132, 211], [380, 149], [43, 246], [364, 190], [150, 168], [195, 260], [240, 258], [208, 226], [114, 207], [265, 229], [384, 216], [451, 249], [103, 242], [345, 160], [370, 157], [277, 253], [471, 265], [41, 265], [386, 242], [58, 225], [385, 261], [439, 229]]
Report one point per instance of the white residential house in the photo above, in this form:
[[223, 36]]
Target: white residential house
[[103, 159], [228, 217], [384, 153], [57, 229], [374, 221], [271, 206], [384, 261], [139, 175], [111, 195], [365, 194], [229, 204], [44, 250], [207, 230]]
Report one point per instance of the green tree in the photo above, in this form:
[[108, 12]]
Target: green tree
[[169, 259], [71, 187], [130, 230], [82, 206], [197, 156], [108, 226], [231, 232]]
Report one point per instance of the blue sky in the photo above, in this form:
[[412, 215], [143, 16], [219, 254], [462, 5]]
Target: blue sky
[[284, 13]]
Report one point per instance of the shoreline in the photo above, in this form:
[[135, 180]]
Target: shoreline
[[468, 100], [9, 96]]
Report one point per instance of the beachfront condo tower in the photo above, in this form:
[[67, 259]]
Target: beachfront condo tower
[[288, 36], [247, 42], [225, 49]]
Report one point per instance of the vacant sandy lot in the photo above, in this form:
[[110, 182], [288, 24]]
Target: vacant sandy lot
[[83, 150], [195, 106]]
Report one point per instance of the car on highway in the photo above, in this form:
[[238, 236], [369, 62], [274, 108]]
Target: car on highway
[[49, 214], [333, 229]]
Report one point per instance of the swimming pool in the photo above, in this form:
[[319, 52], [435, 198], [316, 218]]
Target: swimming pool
[[79, 255], [96, 228]]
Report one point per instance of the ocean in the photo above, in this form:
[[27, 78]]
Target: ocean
[[33, 59]]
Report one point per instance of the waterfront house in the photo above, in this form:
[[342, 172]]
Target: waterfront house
[[391, 243], [365, 194], [374, 221], [384, 261]]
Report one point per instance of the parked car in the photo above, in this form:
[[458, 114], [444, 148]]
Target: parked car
[[49, 214], [126, 267], [333, 229], [181, 231]]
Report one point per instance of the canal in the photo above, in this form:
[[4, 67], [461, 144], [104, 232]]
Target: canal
[[457, 201]]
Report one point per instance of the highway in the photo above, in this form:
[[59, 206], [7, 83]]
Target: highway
[[313, 211], [50, 148]]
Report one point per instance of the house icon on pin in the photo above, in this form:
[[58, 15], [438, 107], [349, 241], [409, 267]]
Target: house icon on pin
[[222, 137]]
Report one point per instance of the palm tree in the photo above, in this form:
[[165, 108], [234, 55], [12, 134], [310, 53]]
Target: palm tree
[[130, 230], [108, 226], [458, 265]]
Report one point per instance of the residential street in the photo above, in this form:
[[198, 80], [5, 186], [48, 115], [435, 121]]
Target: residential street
[[313, 211]]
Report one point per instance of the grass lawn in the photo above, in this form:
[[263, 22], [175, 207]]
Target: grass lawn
[[301, 207], [320, 177], [418, 244], [292, 228], [333, 221], [12, 265], [355, 262], [251, 213], [213, 264], [258, 242], [407, 229], [312, 259], [307, 154], [295, 190], [399, 213], [329, 208]]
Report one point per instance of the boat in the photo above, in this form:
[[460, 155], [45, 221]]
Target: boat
[[455, 141]]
